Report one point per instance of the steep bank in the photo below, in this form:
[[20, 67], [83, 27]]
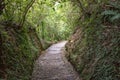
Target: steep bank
[[94, 48], [19, 49]]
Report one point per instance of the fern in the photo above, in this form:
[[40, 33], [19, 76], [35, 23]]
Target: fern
[[115, 5], [115, 17], [109, 12], [112, 15]]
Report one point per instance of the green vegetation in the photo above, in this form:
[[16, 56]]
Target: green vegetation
[[94, 47], [27, 27]]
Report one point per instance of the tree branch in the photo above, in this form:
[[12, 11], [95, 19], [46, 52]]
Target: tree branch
[[25, 13]]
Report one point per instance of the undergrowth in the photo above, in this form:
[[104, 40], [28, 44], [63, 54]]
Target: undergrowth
[[20, 40], [19, 50], [94, 47]]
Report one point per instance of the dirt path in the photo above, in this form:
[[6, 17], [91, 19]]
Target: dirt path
[[53, 65]]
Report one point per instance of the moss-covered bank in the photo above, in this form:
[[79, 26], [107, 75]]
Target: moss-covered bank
[[94, 47], [19, 49]]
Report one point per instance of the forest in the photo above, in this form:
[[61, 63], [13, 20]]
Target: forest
[[90, 27]]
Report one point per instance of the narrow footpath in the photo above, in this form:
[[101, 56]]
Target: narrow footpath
[[52, 65]]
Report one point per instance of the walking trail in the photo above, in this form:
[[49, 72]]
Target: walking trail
[[53, 65]]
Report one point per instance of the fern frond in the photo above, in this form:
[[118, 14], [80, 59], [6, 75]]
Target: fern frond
[[116, 17], [115, 5], [109, 12]]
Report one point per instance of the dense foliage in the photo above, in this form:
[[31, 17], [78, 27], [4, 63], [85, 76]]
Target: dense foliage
[[26, 26], [94, 47], [29, 26], [19, 45]]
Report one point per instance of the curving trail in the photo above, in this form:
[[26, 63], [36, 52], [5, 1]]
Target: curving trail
[[53, 65]]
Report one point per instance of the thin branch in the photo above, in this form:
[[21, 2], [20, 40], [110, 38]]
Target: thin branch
[[26, 11]]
